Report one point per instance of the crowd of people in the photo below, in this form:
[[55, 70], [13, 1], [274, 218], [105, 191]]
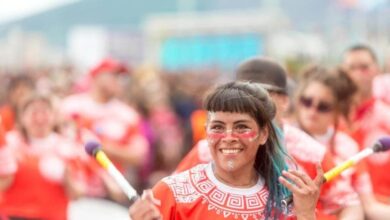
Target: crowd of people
[[250, 144]]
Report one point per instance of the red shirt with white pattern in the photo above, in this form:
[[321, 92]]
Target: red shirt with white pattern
[[198, 194]]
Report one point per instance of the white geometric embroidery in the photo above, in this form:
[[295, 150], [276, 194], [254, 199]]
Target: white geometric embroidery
[[253, 201], [181, 188], [194, 184], [218, 196], [263, 198], [235, 202], [205, 187]]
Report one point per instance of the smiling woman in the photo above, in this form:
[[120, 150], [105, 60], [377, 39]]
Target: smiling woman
[[243, 180]]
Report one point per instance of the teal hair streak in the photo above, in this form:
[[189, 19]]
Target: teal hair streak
[[277, 191]]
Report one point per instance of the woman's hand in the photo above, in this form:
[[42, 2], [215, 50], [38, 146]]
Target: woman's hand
[[305, 191], [144, 208]]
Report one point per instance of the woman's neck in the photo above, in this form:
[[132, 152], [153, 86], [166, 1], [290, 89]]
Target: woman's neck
[[241, 179], [324, 137]]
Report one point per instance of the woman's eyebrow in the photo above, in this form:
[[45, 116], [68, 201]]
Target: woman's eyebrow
[[242, 121], [217, 122]]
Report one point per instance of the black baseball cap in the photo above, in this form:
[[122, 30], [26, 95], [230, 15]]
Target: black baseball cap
[[264, 71]]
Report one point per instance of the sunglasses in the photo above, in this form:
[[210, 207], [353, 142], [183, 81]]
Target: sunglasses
[[321, 107]]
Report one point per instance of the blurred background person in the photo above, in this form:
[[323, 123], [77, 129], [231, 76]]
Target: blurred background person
[[115, 123], [371, 119], [18, 87], [41, 185], [150, 93], [324, 98], [321, 100]]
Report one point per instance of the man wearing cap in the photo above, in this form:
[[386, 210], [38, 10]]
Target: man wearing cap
[[116, 124], [301, 147]]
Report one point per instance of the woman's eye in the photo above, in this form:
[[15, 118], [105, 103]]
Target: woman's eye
[[242, 128], [216, 128]]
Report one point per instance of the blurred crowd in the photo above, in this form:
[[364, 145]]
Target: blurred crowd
[[147, 120]]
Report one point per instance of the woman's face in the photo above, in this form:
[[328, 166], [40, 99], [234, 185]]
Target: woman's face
[[38, 119], [316, 108], [234, 139]]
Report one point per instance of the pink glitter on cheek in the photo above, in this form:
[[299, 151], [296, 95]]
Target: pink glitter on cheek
[[246, 135]]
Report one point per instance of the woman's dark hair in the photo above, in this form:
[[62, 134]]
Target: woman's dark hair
[[26, 103], [252, 99]]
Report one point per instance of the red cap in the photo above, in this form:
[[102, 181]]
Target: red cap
[[108, 66]]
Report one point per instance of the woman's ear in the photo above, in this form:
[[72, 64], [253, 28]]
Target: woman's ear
[[263, 135]]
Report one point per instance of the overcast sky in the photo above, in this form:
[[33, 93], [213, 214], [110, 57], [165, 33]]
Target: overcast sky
[[14, 9]]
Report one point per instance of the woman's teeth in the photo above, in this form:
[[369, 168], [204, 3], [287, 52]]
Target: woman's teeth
[[230, 151]]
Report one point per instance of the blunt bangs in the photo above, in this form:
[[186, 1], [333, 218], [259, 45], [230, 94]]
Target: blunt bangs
[[236, 100]]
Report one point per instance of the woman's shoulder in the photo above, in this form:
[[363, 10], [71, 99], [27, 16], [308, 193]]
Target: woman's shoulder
[[184, 178], [181, 185]]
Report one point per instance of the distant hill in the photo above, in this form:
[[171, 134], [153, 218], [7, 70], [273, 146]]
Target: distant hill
[[129, 14]]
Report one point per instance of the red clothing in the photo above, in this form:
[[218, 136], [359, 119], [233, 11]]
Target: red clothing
[[197, 194], [381, 87], [372, 121], [37, 190], [116, 125], [7, 116], [199, 154], [344, 188], [307, 153], [198, 120], [114, 122]]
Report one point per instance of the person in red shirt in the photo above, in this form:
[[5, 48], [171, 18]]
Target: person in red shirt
[[371, 118], [38, 181], [242, 181], [116, 124], [323, 97]]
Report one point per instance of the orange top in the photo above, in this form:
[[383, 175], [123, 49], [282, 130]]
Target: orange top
[[197, 194], [7, 117], [198, 121], [199, 154]]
